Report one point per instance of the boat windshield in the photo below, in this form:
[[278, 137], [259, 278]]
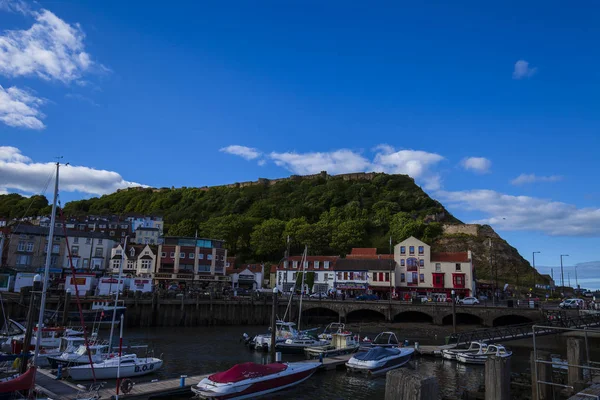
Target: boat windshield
[[386, 338], [80, 350]]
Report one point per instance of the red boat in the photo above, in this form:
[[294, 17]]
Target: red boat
[[248, 380]]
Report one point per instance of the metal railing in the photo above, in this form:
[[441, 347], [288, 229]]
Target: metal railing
[[589, 367]]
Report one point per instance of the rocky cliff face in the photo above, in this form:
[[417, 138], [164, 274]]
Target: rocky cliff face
[[511, 267]]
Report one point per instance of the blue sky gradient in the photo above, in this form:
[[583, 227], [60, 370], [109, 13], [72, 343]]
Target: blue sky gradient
[[170, 86]]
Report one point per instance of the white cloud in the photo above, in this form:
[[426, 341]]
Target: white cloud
[[51, 49], [522, 70], [415, 163], [524, 213], [248, 153], [480, 165], [19, 172], [17, 6], [19, 108], [336, 162], [532, 178]]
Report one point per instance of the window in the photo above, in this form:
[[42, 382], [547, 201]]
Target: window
[[55, 248], [438, 267], [345, 276], [86, 262], [122, 234], [285, 264], [191, 256], [75, 262], [411, 250], [172, 254], [402, 262], [316, 264], [402, 249], [53, 261], [118, 252], [203, 268], [182, 255], [23, 259], [163, 255], [458, 267], [75, 250], [421, 278], [294, 264], [99, 252], [112, 233], [421, 263], [75, 240], [88, 241], [305, 264], [209, 256], [29, 246], [146, 253], [326, 264], [99, 241], [200, 256], [56, 239], [294, 275], [116, 264], [325, 276], [387, 276], [375, 276], [438, 280], [458, 280], [21, 246], [402, 278], [421, 250], [146, 264]]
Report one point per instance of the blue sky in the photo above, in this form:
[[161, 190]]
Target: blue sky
[[465, 97]]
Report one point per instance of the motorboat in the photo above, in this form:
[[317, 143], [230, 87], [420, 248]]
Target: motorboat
[[283, 331], [379, 360], [483, 354], [98, 353], [384, 339], [297, 345], [474, 348], [129, 365], [330, 329], [249, 380], [341, 343]]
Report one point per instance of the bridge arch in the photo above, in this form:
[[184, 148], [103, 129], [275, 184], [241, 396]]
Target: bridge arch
[[511, 319], [319, 314], [463, 318], [363, 314], [413, 316]]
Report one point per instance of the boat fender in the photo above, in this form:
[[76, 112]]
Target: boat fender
[[126, 385]]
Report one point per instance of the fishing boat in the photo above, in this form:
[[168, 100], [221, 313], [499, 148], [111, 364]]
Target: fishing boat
[[297, 345], [330, 329], [127, 366], [341, 343], [283, 331], [481, 356], [379, 360], [249, 380], [384, 339], [78, 356], [474, 347]]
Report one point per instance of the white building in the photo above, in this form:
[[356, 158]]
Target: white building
[[419, 271], [320, 279], [247, 276], [144, 235], [140, 260], [90, 251]]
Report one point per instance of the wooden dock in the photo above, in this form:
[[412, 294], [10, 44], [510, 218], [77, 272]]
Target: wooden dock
[[593, 392], [64, 390]]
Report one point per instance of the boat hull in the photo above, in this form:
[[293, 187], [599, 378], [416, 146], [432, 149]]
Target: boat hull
[[247, 390], [128, 371], [313, 353], [378, 367], [475, 359]]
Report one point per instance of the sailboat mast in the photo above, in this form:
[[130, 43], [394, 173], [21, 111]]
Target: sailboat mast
[[38, 337], [114, 315], [304, 262]]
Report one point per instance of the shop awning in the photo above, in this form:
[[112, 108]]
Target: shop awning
[[351, 286]]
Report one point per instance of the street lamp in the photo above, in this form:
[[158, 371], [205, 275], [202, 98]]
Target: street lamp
[[453, 293], [274, 324], [534, 253], [576, 280], [562, 273]]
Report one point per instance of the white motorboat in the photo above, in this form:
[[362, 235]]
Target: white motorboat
[[98, 353], [384, 339], [297, 345], [341, 343], [474, 348], [330, 329], [249, 380], [379, 360], [130, 365], [481, 356], [284, 331]]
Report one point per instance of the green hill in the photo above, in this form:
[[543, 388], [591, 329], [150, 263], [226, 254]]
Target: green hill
[[331, 214]]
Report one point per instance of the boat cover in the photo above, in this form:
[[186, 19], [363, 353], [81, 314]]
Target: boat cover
[[22, 382], [248, 370], [377, 353]]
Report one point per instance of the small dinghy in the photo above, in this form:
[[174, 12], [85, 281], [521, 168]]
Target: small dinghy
[[481, 356], [379, 360], [474, 348], [248, 380]]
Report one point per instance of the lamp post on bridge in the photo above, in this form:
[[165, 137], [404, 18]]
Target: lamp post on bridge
[[534, 253], [274, 324], [453, 293], [562, 273]]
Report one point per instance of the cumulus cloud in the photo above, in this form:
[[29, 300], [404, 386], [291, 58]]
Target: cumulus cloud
[[335, 162], [19, 108], [523, 70], [245, 152], [524, 213], [16, 6], [19, 172], [50, 49], [532, 178], [480, 165]]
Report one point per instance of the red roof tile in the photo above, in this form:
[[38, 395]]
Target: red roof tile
[[462, 256], [363, 251]]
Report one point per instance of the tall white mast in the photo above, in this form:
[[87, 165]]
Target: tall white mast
[[112, 325], [304, 263], [38, 337]]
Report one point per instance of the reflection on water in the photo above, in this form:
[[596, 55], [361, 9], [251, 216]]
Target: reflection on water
[[203, 350]]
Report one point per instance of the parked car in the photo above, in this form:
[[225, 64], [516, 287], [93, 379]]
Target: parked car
[[321, 295], [571, 303], [468, 301], [367, 297], [421, 299]]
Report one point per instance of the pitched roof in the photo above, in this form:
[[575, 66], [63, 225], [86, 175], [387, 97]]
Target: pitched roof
[[44, 231], [363, 251], [351, 264], [461, 256], [254, 268]]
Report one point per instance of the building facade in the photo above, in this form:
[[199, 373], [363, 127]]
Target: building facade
[[421, 272], [247, 276], [144, 235], [189, 261], [140, 260], [90, 251], [320, 275], [146, 221]]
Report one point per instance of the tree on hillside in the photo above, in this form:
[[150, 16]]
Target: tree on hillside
[[267, 239], [186, 227], [346, 235]]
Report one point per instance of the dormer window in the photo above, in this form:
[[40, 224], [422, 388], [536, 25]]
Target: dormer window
[[132, 252]]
